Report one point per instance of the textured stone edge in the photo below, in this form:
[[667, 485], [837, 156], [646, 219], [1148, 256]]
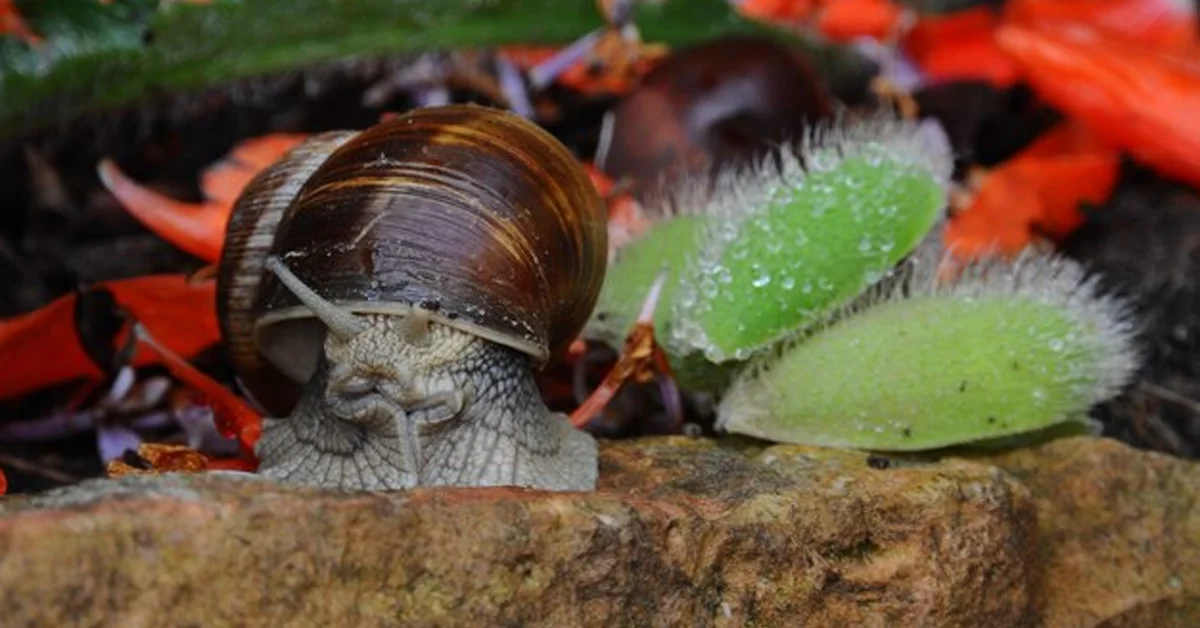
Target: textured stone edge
[[1047, 567]]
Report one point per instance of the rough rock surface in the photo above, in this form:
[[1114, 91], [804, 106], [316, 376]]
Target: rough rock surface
[[683, 532], [1118, 534]]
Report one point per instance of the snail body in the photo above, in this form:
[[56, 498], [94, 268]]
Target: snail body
[[387, 296]]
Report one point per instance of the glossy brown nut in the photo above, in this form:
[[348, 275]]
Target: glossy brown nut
[[473, 213], [712, 104]]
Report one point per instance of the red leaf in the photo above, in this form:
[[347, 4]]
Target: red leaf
[[199, 228], [41, 349], [961, 46], [1037, 192], [1139, 100]]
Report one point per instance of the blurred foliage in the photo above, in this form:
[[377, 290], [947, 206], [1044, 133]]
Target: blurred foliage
[[96, 56]]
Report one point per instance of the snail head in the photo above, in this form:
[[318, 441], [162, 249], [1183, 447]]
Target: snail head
[[384, 373]]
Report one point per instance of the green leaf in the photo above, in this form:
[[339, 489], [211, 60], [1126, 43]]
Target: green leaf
[[1001, 352], [815, 244], [664, 248], [785, 246], [100, 56], [776, 248]]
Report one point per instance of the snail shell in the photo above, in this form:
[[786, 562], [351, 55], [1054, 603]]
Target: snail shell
[[474, 214], [248, 238]]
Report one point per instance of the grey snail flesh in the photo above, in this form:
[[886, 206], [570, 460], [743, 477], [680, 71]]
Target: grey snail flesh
[[391, 392]]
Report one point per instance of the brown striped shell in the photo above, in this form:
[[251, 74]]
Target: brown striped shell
[[472, 213], [248, 238]]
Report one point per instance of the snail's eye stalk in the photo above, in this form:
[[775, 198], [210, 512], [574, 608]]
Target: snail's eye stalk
[[341, 323], [415, 327]]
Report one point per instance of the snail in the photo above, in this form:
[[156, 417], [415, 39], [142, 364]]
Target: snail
[[388, 296]]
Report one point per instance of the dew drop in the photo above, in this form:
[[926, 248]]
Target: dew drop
[[788, 283], [822, 160], [1056, 345]]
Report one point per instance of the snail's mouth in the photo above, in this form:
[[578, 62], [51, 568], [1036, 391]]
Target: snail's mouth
[[372, 410], [362, 401]]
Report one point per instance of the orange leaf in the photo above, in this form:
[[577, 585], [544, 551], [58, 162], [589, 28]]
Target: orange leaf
[[626, 220], [1141, 101], [1038, 191], [199, 228], [41, 348], [1163, 24], [163, 458], [12, 22], [845, 20], [615, 74], [961, 46], [257, 153], [233, 416], [602, 182], [1066, 138], [1063, 183], [787, 12], [248, 465], [999, 219]]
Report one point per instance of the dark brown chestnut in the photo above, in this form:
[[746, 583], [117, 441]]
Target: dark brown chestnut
[[703, 107]]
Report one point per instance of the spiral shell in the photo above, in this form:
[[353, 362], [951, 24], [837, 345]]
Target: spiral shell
[[474, 214], [248, 237]]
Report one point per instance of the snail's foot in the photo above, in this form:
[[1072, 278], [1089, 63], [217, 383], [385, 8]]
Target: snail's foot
[[397, 408]]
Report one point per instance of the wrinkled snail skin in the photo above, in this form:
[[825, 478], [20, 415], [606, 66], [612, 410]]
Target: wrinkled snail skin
[[461, 411], [392, 305]]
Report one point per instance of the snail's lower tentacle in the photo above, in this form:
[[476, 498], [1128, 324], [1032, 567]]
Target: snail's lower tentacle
[[426, 412], [410, 440]]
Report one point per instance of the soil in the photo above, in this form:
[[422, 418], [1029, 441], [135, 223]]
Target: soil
[[1144, 243]]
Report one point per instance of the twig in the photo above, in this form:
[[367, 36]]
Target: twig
[[29, 467], [1166, 432], [1170, 395]]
